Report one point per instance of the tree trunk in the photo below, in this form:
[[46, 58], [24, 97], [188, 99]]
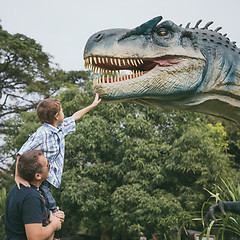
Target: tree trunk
[[124, 234], [106, 235]]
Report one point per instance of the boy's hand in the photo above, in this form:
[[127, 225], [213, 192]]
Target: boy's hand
[[20, 180], [77, 115], [96, 101]]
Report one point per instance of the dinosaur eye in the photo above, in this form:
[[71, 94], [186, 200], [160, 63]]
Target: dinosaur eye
[[163, 33]]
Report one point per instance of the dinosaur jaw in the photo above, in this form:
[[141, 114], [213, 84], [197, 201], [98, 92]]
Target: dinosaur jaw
[[150, 78]]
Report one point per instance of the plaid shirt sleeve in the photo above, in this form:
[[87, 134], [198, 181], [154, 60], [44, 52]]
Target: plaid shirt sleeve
[[68, 126], [34, 142]]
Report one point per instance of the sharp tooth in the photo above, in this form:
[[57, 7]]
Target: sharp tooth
[[124, 63], [119, 62], [103, 60], [111, 78], [111, 60], [128, 62], [132, 62], [90, 60], [141, 61], [87, 60], [106, 60], [118, 77], [135, 62], [103, 79], [99, 59], [115, 61], [107, 78], [138, 61], [133, 73], [141, 73], [95, 60], [115, 78]]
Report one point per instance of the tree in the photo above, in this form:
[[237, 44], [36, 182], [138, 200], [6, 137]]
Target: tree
[[27, 75], [131, 169]]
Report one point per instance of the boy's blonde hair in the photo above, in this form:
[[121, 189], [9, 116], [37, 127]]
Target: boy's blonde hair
[[47, 109]]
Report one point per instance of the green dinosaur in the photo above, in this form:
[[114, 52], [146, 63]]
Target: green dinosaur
[[193, 69]]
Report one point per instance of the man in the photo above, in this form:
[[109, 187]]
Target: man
[[26, 216]]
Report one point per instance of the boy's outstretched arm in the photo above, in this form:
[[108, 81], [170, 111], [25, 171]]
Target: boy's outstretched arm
[[77, 115]]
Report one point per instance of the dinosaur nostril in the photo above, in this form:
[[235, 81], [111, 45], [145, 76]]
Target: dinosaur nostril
[[98, 37]]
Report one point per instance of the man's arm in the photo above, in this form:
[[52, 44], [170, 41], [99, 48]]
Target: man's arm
[[18, 179], [77, 115], [37, 231]]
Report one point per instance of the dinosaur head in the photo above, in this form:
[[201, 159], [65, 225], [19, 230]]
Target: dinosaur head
[[168, 65]]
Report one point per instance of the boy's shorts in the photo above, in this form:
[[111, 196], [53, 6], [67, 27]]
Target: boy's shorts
[[50, 201]]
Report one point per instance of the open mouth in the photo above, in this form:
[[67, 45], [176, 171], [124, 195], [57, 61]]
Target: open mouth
[[109, 68]]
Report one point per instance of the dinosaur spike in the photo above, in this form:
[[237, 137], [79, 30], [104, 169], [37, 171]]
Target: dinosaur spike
[[188, 25], [145, 28], [198, 22], [207, 25], [180, 25], [217, 29]]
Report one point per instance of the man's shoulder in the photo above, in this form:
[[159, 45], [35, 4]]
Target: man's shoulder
[[22, 193]]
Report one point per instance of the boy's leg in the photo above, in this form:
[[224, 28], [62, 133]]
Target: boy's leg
[[51, 203]]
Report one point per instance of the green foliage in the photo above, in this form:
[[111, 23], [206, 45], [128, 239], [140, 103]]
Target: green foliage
[[227, 227], [130, 169], [3, 197], [134, 169], [27, 75]]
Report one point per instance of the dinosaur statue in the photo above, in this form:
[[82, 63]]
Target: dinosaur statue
[[193, 69]]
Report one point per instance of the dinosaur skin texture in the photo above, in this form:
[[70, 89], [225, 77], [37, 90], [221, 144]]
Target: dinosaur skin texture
[[194, 69]]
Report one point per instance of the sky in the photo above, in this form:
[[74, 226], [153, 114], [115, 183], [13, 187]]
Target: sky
[[63, 27]]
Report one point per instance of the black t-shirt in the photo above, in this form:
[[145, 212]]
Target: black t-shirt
[[23, 206]]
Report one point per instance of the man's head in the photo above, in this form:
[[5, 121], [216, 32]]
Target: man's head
[[33, 166], [48, 109]]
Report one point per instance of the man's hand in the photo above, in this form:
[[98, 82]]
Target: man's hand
[[96, 101], [20, 180], [55, 221], [59, 214]]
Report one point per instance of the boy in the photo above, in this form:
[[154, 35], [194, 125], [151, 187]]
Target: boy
[[49, 138]]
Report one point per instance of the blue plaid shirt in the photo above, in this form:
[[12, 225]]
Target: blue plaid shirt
[[51, 142]]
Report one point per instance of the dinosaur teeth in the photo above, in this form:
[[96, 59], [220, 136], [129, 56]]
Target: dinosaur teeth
[[115, 62], [104, 67], [116, 77]]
